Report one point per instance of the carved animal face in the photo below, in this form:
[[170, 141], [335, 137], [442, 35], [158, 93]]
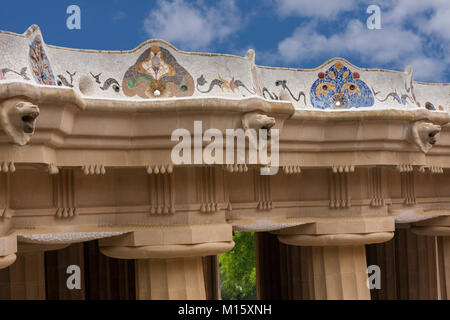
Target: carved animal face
[[266, 122], [257, 121], [429, 132], [425, 134], [18, 119]]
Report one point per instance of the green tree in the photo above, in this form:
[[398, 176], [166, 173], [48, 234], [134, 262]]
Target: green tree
[[237, 269]]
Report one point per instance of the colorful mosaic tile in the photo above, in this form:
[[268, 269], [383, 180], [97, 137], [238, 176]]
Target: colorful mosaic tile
[[228, 86], [157, 73], [40, 66], [340, 88]]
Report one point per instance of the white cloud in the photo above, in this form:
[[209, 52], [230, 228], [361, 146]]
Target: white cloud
[[439, 22], [427, 69], [380, 46], [415, 32], [313, 8], [193, 26]]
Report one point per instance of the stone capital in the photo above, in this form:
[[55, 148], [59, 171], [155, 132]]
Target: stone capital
[[8, 249]]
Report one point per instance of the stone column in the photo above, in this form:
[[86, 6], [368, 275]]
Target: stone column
[[277, 269], [338, 272], [56, 272], [439, 228], [106, 278], [408, 266], [170, 279], [443, 258], [25, 279], [336, 267], [212, 277], [166, 271]]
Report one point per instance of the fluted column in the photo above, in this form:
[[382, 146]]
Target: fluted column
[[170, 279], [167, 271], [334, 265], [279, 269], [25, 279], [212, 277], [338, 273], [439, 228], [106, 278], [408, 266], [56, 273], [443, 250]]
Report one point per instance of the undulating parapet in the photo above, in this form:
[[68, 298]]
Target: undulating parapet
[[156, 70]]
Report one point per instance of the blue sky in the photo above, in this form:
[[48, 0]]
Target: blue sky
[[285, 33]]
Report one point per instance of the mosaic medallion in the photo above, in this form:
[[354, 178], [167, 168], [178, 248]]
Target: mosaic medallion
[[340, 88], [155, 74]]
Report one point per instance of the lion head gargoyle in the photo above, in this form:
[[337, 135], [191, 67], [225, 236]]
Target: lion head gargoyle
[[18, 119], [256, 121], [424, 134]]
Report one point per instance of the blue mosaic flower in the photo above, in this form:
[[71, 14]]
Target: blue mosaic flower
[[340, 88]]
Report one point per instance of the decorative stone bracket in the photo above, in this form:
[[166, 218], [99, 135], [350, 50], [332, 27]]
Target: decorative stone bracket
[[18, 119], [424, 134]]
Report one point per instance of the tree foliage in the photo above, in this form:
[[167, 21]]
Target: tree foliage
[[237, 269]]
